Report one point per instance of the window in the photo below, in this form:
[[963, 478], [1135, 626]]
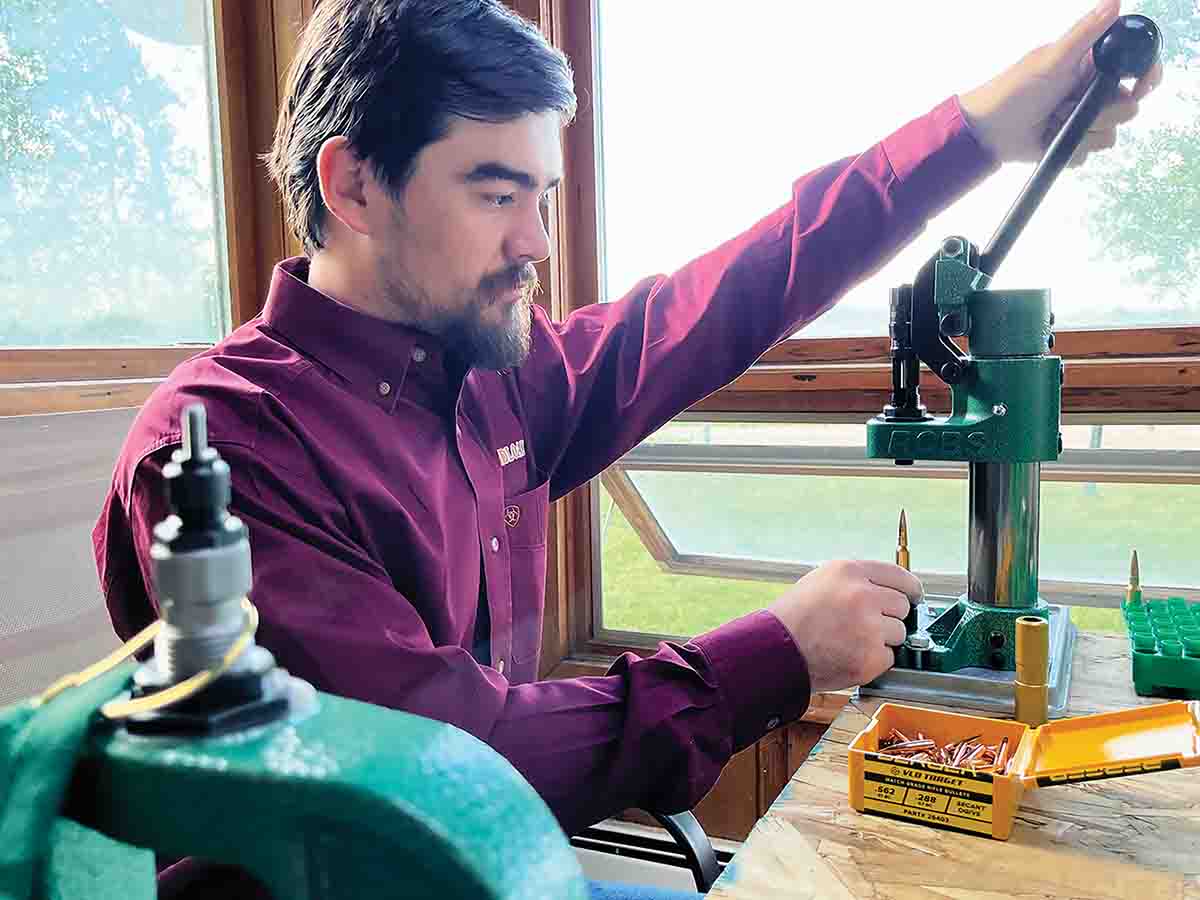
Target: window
[[112, 210], [767, 502], [136, 223], [710, 515]]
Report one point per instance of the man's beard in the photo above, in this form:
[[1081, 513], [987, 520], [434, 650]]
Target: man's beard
[[478, 343], [495, 345]]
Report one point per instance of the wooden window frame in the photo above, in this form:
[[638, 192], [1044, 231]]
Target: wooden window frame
[[1075, 466], [1109, 373], [255, 42]]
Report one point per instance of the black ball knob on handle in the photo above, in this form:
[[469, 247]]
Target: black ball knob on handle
[[1128, 49]]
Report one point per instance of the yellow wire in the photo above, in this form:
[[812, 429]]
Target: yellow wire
[[96, 669], [120, 709]]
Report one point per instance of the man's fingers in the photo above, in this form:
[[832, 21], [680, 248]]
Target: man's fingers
[[1148, 82], [1102, 139], [893, 632], [892, 603], [880, 661], [887, 575], [1118, 112], [1094, 141]]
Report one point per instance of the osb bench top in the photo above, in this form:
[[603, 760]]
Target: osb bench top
[[1121, 838]]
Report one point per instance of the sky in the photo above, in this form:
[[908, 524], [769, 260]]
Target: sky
[[711, 110]]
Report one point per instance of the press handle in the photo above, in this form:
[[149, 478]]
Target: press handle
[[1128, 49]]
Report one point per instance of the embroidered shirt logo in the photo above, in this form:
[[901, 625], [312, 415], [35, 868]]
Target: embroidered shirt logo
[[511, 453], [512, 515]]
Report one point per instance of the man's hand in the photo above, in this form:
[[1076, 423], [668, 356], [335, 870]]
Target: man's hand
[[1018, 112], [845, 617]]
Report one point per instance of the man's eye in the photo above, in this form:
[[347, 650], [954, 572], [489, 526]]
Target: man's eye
[[500, 199]]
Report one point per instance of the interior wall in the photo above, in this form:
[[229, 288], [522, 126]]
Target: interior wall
[[54, 473]]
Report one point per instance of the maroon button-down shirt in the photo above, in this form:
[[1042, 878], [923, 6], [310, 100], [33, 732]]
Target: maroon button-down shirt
[[378, 485]]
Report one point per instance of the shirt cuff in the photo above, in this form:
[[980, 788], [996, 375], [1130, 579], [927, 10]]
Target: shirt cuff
[[762, 676], [937, 158]]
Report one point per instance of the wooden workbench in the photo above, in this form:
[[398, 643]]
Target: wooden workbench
[[1135, 837]]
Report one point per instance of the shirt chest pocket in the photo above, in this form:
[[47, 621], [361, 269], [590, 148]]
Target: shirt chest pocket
[[525, 517], [525, 523]]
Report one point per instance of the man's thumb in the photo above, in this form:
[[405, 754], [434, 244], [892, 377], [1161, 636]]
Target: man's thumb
[[1075, 44]]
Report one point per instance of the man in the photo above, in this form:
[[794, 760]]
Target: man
[[399, 416]]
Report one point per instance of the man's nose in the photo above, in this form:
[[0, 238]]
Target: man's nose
[[529, 240]]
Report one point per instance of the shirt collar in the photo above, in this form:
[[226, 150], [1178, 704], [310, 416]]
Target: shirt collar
[[380, 360]]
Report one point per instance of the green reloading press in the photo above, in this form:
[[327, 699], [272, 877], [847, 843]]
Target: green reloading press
[[210, 750], [1004, 423]]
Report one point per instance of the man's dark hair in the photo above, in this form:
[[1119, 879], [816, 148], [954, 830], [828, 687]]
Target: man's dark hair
[[389, 75]]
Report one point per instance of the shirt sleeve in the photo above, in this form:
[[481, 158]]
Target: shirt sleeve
[[606, 377], [653, 733]]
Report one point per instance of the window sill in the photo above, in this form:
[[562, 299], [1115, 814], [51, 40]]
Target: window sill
[[74, 396]]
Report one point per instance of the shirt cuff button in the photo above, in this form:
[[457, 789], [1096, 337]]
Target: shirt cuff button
[[495, 545]]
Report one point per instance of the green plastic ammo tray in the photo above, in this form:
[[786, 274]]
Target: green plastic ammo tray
[[1164, 637]]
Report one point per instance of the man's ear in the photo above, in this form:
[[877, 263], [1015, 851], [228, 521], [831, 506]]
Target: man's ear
[[343, 176]]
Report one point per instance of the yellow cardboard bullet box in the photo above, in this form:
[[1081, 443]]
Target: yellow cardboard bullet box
[[1134, 741]]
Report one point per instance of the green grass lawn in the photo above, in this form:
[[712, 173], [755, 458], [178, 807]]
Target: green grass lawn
[[1087, 534]]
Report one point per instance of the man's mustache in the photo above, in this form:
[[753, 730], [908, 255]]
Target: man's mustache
[[510, 279]]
